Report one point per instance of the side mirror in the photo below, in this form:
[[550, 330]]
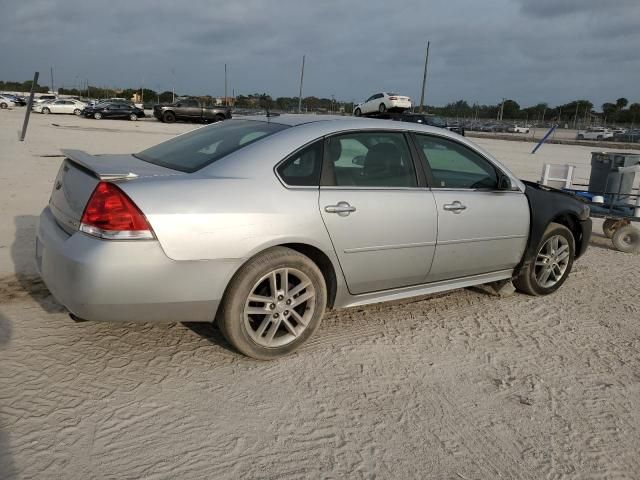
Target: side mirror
[[504, 183]]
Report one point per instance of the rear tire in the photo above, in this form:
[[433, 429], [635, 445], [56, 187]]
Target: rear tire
[[382, 108], [97, 116], [531, 278], [357, 112], [168, 117], [4, 105], [268, 327], [133, 117], [580, 137], [599, 137], [627, 239], [220, 118]]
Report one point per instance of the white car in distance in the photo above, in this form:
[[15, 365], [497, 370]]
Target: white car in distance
[[594, 133], [62, 105], [383, 102], [6, 102], [518, 129]]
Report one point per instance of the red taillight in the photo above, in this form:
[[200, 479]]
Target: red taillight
[[111, 214], [393, 98]]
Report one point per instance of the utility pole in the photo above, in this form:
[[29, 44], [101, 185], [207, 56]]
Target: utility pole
[[225, 85], [173, 88], [301, 80], [424, 78], [52, 90]]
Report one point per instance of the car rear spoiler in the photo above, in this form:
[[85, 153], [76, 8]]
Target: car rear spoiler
[[100, 169]]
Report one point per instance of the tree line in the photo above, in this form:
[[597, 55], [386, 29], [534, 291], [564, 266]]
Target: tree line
[[579, 111]]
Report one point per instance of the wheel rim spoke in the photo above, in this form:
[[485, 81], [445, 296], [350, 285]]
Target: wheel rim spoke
[[298, 288], [263, 326], [299, 318], [303, 298], [290, 328], [260, 298]]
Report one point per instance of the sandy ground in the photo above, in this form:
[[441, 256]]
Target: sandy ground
[[460, 385]]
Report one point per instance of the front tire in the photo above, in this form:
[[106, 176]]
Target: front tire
[[273, 304], [77, 112], [97, 116], [580, 137], [46, 111], [357, 112], [133, 117], [549, 269], [4, 105], [168, 117]]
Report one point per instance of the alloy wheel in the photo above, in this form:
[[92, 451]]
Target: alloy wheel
[[279, 308], [552, 261]]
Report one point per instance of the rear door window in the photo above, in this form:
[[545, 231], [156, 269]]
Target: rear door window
[[371, 159]]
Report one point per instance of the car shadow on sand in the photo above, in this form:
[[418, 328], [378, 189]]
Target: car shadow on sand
[[26, 279], [211, 333], [7, 468]]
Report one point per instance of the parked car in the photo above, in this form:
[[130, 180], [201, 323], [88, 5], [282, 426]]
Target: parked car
[[432, 120], [6, 102], [594, 133], [264, 222], [517, 129], [113, 110], [190, 109], [62, 105], [18, 101], [381, 103]]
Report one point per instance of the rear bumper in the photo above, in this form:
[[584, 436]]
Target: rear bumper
[[126, 281]]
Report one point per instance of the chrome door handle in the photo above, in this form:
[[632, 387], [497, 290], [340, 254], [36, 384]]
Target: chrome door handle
[[342, 208], [455, 207]]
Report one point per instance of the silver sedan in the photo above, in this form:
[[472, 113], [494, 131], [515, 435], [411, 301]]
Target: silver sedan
[[261, 223]]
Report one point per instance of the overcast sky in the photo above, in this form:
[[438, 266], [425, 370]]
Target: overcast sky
[[481, 50]]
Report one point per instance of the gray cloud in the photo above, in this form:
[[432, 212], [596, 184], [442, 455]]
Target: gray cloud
[[530, 50]]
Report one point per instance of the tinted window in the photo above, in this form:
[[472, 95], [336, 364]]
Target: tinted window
[[455, 166], [373, 159], [188, 103], [198, 148], [303, 168]]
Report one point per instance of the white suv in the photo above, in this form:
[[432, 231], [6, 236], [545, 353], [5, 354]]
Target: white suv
[[383, 102], [594, 133]]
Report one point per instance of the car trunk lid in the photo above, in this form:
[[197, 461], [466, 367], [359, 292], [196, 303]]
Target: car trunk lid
[[81, 172]]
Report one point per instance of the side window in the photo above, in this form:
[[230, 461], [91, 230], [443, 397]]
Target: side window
[[370, 98], [372, 159], [455, 166], [303, 168]]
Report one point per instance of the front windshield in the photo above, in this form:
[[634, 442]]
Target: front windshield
[[199, 148]]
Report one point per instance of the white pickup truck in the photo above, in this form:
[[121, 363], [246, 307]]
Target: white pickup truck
[[594, 133]]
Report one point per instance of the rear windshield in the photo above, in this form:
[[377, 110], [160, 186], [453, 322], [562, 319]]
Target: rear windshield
[[199, 148]]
